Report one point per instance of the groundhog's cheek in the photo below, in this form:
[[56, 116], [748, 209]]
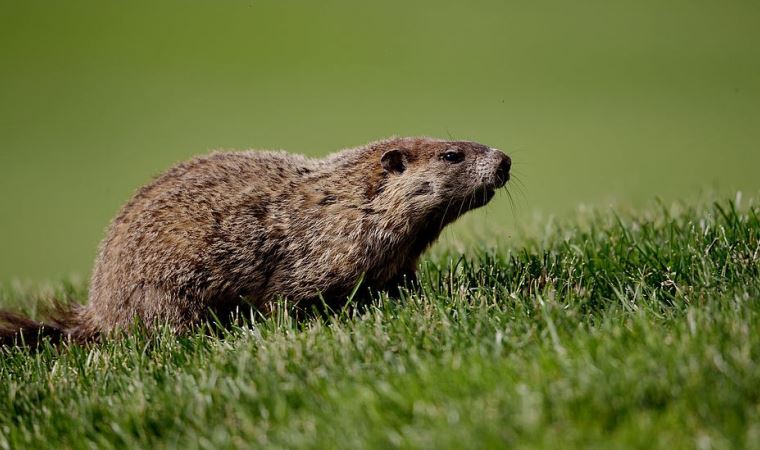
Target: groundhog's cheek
[[484, 171]]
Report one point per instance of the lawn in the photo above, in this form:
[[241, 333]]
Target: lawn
[[609, 329]]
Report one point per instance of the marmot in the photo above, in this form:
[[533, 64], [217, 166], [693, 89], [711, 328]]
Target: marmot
[[254, 226]]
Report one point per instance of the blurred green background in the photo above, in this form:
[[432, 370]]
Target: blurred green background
[[596, 101]]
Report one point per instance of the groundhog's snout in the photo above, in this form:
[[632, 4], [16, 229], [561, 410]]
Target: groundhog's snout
[[502, 170]]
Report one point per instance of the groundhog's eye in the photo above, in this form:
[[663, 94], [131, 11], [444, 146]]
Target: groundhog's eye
[[453, 157]]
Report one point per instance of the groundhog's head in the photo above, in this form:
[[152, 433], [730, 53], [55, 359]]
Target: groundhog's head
[[443, 177]]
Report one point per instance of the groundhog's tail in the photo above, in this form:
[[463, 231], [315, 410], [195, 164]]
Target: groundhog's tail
[[66, 322]]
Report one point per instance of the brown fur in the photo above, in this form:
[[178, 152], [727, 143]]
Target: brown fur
[[250, 227]]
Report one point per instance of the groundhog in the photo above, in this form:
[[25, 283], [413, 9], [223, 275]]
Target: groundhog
[[252, 227]]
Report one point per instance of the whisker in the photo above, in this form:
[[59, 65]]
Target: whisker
[[519, 191], [518, 186], [461, 204], [516, 178], [511, 202], [445, 211]]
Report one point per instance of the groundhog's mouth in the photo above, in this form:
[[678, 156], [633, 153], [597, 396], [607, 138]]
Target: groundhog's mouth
[[482, 196], [477, 198]]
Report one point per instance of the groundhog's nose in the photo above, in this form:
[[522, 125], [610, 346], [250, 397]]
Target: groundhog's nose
[[502, 171]]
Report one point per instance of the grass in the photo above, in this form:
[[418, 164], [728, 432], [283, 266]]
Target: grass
[[624, 330]]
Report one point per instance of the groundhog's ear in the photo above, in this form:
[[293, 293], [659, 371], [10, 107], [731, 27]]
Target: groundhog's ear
[[394, 161]]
